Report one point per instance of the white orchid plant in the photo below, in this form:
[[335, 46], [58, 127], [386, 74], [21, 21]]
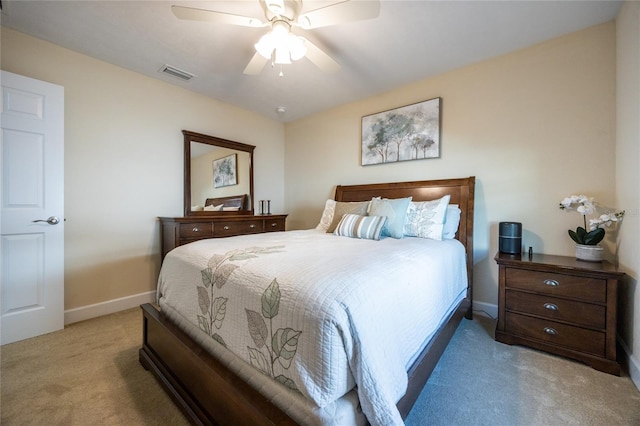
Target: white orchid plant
[[586, 206]]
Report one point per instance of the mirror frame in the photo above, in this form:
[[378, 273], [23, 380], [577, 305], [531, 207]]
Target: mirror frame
[[224, 143]]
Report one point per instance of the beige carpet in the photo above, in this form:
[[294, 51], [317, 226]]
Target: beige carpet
[[88, 374], [479, 381]]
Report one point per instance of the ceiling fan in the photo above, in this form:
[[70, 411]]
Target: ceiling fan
[[280, 44]]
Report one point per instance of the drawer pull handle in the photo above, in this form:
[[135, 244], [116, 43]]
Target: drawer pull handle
[[551, 283], [551, 306], [226, 227], [273, 225], [551, 331], [252, 226], [195, 229]]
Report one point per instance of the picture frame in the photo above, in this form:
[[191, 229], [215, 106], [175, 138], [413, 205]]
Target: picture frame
[[407, 133], [225, 171]]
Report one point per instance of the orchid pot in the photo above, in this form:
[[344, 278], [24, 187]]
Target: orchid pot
[[589, 253], [588, 242]]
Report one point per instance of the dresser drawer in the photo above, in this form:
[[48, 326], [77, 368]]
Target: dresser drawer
[[272, 225], [579, 313], [575, 287], [576, 338], [230, 228], [196, 230]]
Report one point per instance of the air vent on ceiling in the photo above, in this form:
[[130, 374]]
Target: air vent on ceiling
[[175, 72]]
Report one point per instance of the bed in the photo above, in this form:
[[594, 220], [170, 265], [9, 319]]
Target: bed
[[214, 386], [237, 202]]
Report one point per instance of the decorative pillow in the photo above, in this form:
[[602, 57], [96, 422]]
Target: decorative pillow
[[229, 209], [396, 212], [451, 222], [342, 208], [327, 215], [212, 208], [425, 219], [358, 226]]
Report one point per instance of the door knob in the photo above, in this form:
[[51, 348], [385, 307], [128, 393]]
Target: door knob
[[51, 221]]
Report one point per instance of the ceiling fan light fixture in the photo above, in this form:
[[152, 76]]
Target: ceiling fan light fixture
[[265, 45], [280, 31], [282, 57], [287, 46]]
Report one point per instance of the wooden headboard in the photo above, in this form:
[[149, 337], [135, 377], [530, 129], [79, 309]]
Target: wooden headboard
[[461, 191], [239, 201]]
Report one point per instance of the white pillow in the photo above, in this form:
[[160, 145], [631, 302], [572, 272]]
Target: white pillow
[[327, 215], [451, 222], [425, 219], [212, 208]]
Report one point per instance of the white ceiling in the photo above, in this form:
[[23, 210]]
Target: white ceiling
[[409, 41]]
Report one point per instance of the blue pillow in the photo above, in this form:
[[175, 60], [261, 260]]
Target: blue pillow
[[396, 212]]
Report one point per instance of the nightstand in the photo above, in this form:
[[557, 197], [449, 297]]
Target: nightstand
[[560, 305]]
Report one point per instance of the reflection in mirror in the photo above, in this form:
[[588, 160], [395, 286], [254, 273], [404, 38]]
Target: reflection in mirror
[[203, 186], [218, 176]]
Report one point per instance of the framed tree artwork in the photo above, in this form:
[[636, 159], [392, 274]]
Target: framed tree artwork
[[225, 171], [407, 133]]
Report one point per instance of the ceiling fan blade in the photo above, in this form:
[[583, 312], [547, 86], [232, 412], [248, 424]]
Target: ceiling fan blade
[[255, 64], [338, 13], [192, 14], [320, 58]]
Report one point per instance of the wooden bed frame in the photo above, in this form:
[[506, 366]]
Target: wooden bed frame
[[209, 393], [239, 201]]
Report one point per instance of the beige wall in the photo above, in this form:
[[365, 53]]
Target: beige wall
[[628, 175], [124, 161], [533, 126]]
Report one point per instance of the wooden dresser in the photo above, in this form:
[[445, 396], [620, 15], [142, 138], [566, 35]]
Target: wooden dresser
[[560, 305], [177, 231]]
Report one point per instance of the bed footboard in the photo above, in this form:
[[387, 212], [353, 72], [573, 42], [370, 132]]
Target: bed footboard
[[203, 388]]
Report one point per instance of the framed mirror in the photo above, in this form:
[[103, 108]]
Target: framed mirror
[[218, 176]]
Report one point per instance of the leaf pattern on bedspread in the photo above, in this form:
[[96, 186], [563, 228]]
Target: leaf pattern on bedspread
[[272, 347], [215, 276], [284, 341]]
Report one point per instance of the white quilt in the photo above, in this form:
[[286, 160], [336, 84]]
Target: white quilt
[[317, 312]]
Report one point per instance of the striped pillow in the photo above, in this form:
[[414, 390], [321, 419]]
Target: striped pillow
[[358, 226]]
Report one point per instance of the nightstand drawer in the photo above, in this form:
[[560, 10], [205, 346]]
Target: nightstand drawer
[[196, 229], [579, 313], [575, 287], [272, 225], [576, 338], [226, 229]]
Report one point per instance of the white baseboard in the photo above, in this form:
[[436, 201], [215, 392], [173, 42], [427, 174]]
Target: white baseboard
[[486, 309], [632, 364], [634, 370], [109, 307]]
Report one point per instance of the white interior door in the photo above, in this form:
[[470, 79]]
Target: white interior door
[[32, 212]]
